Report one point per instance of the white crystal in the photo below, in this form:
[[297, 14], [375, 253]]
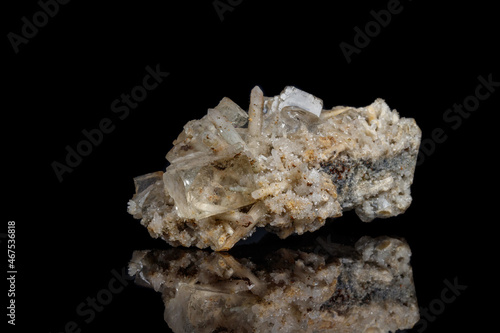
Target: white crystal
[[296, 98]]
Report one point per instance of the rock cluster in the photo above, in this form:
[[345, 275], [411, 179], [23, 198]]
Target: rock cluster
[[287, 164]]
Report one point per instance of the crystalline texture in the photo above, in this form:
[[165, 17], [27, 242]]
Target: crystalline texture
[[232, 112], [293, 166], [206, 186], [296, 98], [365, 288]]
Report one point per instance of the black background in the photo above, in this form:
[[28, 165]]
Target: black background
[[70, 235]]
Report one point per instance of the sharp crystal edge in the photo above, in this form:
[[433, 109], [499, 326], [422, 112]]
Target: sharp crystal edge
[[287, 165], [367, 288]]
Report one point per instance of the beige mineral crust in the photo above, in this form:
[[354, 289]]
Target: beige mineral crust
[[286, 165], [367, 288]]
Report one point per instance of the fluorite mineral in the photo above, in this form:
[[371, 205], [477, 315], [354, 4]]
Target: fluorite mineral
[[287, 165], [365, 288]]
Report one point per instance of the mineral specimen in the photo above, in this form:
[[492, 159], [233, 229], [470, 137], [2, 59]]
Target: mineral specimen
[[286, 165], [365, 288]]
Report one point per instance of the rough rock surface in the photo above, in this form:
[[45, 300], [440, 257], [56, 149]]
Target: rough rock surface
[[286, 165], [365, 288]]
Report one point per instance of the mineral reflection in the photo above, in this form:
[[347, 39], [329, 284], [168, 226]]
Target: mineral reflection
[[287, 164], [367, 287]]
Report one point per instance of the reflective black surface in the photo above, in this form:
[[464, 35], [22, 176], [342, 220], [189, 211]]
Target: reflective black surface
[[69, 83], [322, 285]]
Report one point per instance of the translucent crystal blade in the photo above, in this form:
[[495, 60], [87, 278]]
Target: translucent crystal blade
[[206, 186], [232, 112], [144, 181]]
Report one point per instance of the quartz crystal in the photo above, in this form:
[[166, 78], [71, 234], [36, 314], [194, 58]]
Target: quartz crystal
[[287, 165], [338, 288]]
